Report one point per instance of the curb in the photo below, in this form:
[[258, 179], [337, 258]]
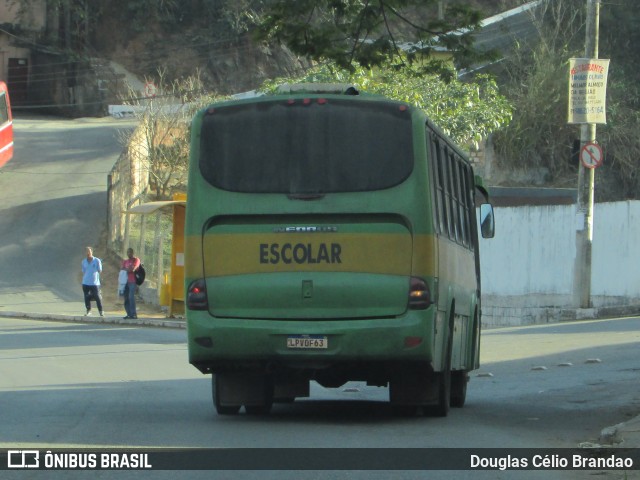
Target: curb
[[108, 320], [625, 435], [598, 313]]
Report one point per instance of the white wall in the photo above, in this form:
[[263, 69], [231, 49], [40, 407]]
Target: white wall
[[528, 268], [615, 250]]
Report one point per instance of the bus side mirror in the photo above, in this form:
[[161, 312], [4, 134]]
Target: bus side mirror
[[487, 221]]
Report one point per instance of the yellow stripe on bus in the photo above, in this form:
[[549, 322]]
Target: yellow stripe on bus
[[391, 254], [236, 254]]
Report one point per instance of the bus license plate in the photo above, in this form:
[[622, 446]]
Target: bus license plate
[[307, 341]]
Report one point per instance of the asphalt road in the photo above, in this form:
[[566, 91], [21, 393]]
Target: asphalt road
[[52, 204], [77, 385]]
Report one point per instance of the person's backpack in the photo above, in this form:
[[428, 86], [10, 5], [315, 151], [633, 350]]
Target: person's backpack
[[140, 274]]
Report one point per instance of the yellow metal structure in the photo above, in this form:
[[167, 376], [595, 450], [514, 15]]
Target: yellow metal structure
[[176, 289], [171, 289]]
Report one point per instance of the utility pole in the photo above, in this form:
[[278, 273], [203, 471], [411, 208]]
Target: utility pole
[[586, 176]]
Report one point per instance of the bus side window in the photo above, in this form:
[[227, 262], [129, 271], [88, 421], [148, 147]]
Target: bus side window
[[446, 194], [453, 201], [436, 184], [467, 177], [462, 203], [458, 198]]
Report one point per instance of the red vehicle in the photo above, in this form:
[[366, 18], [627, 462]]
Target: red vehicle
[[6, 126]]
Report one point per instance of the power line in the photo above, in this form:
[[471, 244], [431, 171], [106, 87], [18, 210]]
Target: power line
[[164, 49], [161, 53], [72, 73]]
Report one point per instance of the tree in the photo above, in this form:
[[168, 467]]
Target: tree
[[536, 83], [619, 38], [468, 112], [372, 33], [163, 135]]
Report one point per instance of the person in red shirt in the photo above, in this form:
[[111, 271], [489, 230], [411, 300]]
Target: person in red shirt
[[130, 265]]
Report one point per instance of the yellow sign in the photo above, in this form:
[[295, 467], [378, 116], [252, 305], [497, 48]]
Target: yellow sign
[[237, 254], [588, 90]]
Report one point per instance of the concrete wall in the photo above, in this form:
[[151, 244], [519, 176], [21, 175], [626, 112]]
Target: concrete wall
[[528, 268]]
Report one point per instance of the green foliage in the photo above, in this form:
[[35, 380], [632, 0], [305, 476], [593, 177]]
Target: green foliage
[[538, 135], [218, 18], [468, 112], [370, 33], [537, 84], [239, 16], [619, 40]]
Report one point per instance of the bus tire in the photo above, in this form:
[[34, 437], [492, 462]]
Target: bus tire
[[476, 341], [263, 408], [215, 393], [407, 410], [443, 378], [258, 409], [459, 382]]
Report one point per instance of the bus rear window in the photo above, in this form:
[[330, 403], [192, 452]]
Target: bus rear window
[[300, 147]]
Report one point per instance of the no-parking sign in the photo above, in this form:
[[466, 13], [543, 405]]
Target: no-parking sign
[[591, 155], [150, 89]]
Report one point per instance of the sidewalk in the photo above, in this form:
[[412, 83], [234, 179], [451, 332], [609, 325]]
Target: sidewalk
[[39, 303], [144, 319]]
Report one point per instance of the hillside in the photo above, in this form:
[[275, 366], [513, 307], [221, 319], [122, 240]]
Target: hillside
[[212, 38]]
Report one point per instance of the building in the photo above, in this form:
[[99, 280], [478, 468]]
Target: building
[[20, 28], [46, 61]]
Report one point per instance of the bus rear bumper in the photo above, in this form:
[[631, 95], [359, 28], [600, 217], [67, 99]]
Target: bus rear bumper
[[219, 345]]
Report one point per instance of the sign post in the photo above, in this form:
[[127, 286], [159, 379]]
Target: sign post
[[150, 90], [587, 107]]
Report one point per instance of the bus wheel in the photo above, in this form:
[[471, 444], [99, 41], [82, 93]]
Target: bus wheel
[[459, 382], [258, 409], [284, 400], [215, 391], [476, 342], [408, 410], [441, 409], [263, 404], [443, 378]]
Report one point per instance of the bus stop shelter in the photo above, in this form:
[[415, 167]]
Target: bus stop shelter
[[171, 285]]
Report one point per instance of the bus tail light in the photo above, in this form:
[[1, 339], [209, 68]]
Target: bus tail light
[[419, 294], [197, 295]]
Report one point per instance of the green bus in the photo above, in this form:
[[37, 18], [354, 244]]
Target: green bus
[[331, 235]]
